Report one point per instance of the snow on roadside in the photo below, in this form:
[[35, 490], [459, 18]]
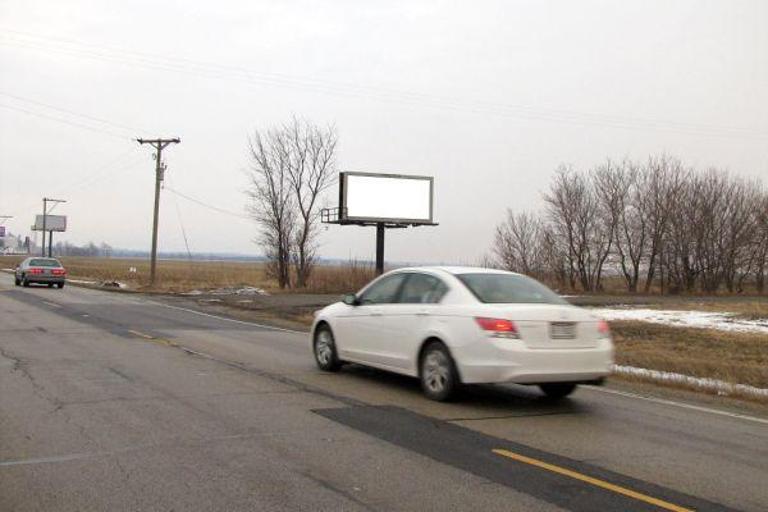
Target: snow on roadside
[[696, 319], [719, 387], [245, 290]]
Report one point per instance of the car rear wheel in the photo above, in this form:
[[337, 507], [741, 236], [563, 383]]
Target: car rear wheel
[[17, 281], [557, 390], [324, 346], [50, 285], [439, 378], [25, 282], [60, 285]]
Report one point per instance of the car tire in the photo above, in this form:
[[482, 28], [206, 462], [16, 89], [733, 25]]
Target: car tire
[[50, 285], [324, 348], [557, 390], [17, 281], [60, 285], [25, 282], [438, 374]]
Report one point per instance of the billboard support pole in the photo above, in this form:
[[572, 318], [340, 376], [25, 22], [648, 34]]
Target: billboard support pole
[[45, 213], [47, 200], [380, 230]]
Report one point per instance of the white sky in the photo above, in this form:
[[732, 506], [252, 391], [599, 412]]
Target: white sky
[[488, 97]]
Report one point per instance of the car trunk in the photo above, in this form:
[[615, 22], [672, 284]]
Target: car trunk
[[552, 326]]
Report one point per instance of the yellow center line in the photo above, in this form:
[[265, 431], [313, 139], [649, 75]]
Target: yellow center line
[[141, 334], [593, 481]]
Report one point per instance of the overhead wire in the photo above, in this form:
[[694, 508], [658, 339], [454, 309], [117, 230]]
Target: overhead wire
[[206, 205], [181, 221], [100, 131], [72, 113], [215, 70]]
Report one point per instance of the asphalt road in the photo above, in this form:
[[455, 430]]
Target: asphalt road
[[122, 402]]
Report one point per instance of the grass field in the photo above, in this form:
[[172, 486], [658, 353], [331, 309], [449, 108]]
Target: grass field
[[732, 357], [178, 276]]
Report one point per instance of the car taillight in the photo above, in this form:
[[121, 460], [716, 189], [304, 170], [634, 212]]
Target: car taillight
[[603, 329], [59, 272], [498, 327], [35, 271]]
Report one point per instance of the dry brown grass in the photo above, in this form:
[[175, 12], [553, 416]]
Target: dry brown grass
[[732, 357], [176, 276], [346, 278]]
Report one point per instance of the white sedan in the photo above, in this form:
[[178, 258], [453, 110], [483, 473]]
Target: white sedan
[[461, 325]]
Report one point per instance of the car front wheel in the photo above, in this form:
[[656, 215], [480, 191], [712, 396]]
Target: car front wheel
[[439, 378], [324, 347], [557, 390]]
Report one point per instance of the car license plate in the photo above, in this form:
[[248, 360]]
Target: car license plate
[[562, 330]]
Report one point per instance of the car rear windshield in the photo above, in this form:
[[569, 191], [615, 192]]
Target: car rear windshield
[[44, 263], [509, 289]]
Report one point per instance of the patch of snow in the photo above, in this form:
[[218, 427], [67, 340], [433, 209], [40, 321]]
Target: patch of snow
[[713, 385], [696, 319], [80, 281], [245, 290]]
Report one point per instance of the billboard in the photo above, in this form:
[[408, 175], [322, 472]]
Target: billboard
[[396, 198], [52, 223]]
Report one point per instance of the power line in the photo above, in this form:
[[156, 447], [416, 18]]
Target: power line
[[213, 70], [72, 113], [209, 206], [181, 224], [64, 121]]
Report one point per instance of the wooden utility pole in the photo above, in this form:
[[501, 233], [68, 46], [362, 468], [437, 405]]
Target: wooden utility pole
[[159, 145]]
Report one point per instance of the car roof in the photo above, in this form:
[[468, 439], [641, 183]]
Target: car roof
[[456, 270]]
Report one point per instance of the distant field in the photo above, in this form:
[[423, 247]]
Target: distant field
[[176, 276]]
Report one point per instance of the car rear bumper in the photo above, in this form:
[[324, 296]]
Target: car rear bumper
[[534, 366], [46, 279]]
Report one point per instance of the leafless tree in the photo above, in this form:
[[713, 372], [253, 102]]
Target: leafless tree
[[662, 184], [311, 170], [687, 230], [761, 243], [574, 216], [517, 243], [272, 203]]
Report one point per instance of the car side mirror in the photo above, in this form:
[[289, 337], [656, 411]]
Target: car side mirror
[[351, 299]]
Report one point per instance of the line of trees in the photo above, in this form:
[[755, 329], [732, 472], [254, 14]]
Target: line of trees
[[290, 166], [658, 224]]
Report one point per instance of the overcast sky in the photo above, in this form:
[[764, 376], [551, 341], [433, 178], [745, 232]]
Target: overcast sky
[[487, 97]]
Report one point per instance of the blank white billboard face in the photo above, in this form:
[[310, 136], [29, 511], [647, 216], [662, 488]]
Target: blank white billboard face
[[52, 223], [388, 198]]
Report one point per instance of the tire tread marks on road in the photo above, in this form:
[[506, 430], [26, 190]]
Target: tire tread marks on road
[[473, 452]]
